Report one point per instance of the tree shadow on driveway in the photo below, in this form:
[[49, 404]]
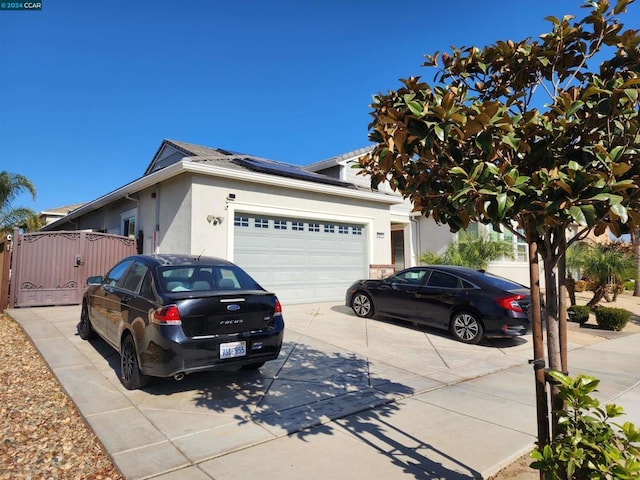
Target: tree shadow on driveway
[[312, 390]]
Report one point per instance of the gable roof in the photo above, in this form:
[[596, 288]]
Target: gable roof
[[61, 211], [338, 159], [174, 158], [171, 151]]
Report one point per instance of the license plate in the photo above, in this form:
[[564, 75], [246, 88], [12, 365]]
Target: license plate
[[233, 349]]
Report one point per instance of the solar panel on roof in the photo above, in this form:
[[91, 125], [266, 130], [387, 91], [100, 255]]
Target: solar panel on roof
[[290, 171]]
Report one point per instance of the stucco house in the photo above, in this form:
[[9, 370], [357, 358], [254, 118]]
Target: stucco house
[[303, 235], [303, 232]]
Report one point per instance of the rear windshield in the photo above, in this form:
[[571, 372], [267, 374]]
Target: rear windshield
[[205, 278], [501, 283]]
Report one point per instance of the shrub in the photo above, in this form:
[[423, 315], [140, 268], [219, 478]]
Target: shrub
[[612, 318], [588, 445], [579, 313], [630, 285]]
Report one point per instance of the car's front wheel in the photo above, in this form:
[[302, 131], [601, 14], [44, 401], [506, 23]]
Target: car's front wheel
[[362, 305], [466, 327], [130, 375], [85, 330]]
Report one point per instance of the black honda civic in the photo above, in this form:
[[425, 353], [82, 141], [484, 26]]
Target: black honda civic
[[170, 315], [472, 304]]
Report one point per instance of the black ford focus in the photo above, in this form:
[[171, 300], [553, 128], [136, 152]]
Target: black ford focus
[[170, 315], [472, 304]]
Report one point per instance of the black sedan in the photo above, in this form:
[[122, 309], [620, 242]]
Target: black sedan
[[472, 304], [170, 315]]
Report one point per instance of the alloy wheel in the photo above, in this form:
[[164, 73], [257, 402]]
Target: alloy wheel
[[467, 328], [362, 305]]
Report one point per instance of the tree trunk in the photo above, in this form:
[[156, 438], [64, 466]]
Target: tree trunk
[[551, 314], [635, 240], [542, 407], [562, 307], [598, 294], [571, 289], [557, 403]]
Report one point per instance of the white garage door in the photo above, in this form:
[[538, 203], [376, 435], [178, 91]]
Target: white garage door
[[299, 260]]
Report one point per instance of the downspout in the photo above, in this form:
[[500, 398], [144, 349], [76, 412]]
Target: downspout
[[417, 238], [138, 222], [129, 197], [156, 229]]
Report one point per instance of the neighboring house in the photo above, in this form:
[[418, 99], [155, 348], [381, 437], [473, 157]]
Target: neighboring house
[[303, 235], [53, 214], [412, 234]]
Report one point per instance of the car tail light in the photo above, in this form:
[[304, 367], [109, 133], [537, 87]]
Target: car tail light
[[168, 315], [511, 303], [278, 309]]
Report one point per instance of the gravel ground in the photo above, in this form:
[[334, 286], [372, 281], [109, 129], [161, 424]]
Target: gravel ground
[[43, 434]]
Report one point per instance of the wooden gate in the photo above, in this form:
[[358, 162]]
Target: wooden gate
[[51, 268]]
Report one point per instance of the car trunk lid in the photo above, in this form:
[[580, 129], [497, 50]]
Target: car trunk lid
[[220, 314]]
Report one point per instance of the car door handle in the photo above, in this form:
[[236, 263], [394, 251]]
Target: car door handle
[[126, 300]]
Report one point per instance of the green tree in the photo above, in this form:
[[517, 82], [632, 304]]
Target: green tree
[[607, 267], [11, 186], [475, 146], [470, 251]]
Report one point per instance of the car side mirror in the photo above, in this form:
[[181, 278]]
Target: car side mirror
[[96, 280]]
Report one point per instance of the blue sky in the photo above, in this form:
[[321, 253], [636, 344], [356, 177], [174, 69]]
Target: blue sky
[[89, 89]]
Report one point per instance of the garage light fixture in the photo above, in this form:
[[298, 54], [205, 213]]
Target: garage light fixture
[[214, 220]]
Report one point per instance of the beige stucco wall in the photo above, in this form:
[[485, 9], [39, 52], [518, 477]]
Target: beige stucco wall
[[432, 237], [106, 219], [174, 215]]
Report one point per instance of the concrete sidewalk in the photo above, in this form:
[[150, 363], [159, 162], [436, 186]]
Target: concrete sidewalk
[[348, 398]]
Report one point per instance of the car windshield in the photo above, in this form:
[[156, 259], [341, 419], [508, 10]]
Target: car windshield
[[205, 278], [501, 283]]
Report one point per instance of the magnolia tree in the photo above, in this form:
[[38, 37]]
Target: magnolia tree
[[530, 136]]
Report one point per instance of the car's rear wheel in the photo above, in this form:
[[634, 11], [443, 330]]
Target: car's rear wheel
[[130, 375], [466, 327], [362, 305], [85, 330]]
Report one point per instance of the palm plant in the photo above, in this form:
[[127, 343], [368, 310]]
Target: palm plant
[[11, 186], [605, 266], [470, 251]]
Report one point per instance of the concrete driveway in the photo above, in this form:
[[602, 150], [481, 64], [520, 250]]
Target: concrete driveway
[[348, 398]]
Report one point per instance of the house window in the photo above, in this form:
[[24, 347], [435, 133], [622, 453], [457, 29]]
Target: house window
[[343, 230], [241, 222], [521, 248], [261, 223], [314, 227], [128, 223], [280, 224], [298, 226], [474, 230], [356, 230], [329, 228]]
